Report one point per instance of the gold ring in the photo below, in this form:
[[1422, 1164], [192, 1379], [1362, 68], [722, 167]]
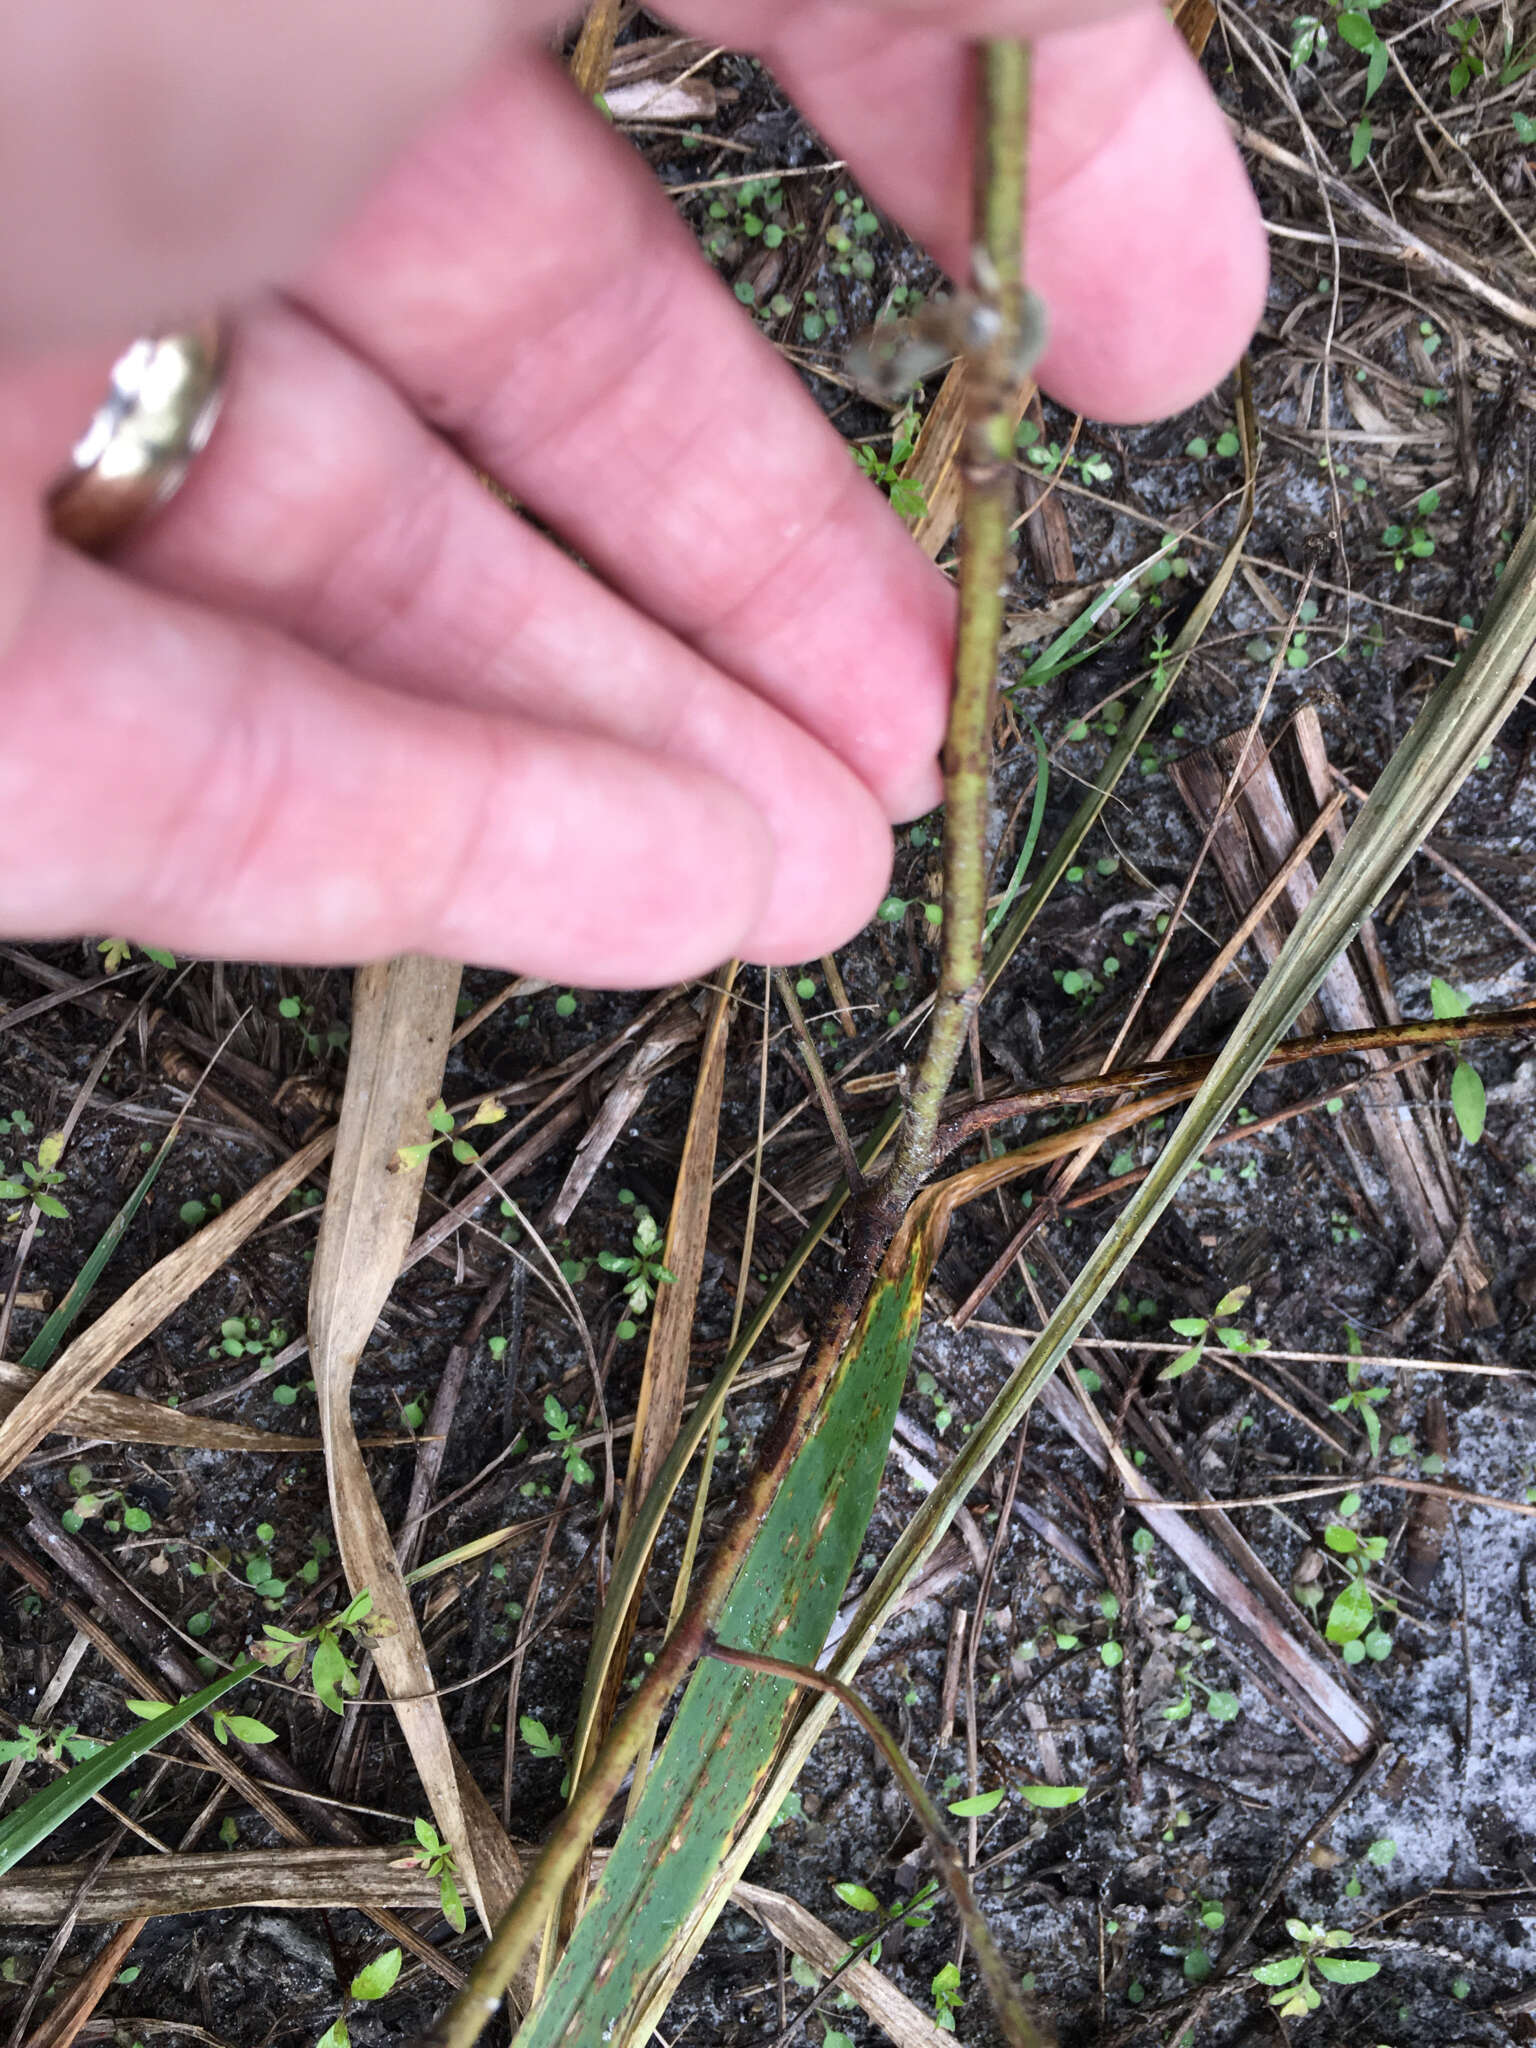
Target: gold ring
[[159, 411]]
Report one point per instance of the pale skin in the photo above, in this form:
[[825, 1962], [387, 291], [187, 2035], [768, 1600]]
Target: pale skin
[[335, 702]]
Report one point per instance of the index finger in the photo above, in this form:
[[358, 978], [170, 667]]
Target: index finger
[[1144, 237]]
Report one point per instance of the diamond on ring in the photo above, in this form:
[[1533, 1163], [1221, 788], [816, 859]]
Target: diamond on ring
[[162, 400]]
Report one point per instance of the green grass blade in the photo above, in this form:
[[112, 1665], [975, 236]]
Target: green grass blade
[[633, 1559], [49, 1809], [48, 1339], [1032, 836], [1063, 652], [1455, 727], [722, 1741]]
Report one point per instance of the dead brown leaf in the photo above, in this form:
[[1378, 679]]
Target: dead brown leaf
[[402, 1020]]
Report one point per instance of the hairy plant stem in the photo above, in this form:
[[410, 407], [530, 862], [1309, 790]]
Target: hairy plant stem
[[986, 514], [985, 559]]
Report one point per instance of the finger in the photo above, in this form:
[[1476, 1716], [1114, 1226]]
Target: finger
[[323, 506], [1144, 237], [747, 23], [524, 282], [228, 793], [160, 159]]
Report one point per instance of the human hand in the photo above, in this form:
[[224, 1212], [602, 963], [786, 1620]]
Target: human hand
[[334, 702]]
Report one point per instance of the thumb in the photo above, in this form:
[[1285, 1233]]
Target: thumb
[[756, 21]]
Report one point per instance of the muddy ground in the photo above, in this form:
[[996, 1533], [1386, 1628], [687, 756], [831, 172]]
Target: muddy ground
[[1121, 1907]]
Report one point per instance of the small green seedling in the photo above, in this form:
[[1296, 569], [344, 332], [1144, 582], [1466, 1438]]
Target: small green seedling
[[1204, 1328], [1414, 539], [244, 1727], [39, 1177], [538, 1738], [948, 1999], [1054, 460], [331, 1671], [641, 1270], [1220, 1704], [440, 1117], [943, 1414], [562, 1433], [114, 1507], [1309, 39], [293, 1011], [1469, 63], [1352, 1622], [916, 1912], [115, 951], [433, 1855], [373, 1981], [907, 497], [1051, 1798], [1316, 1948], [1469, 1099], [1378, 1854], [1363, 1402], [245, 1337], [1359, 31], [30, 1744], [1111, 1650]]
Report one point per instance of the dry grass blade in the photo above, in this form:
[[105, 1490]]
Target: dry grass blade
[[129, 1419], [804, 1935], [655, 1052], [593, 57], [148, 1887], [1322, 1704], [401, 1023], [1194, 20], [1395, 240], [142, 1308]]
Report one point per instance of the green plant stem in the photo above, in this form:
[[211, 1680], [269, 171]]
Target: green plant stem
[[986, 516], [1007, 1999], [985, 559]]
